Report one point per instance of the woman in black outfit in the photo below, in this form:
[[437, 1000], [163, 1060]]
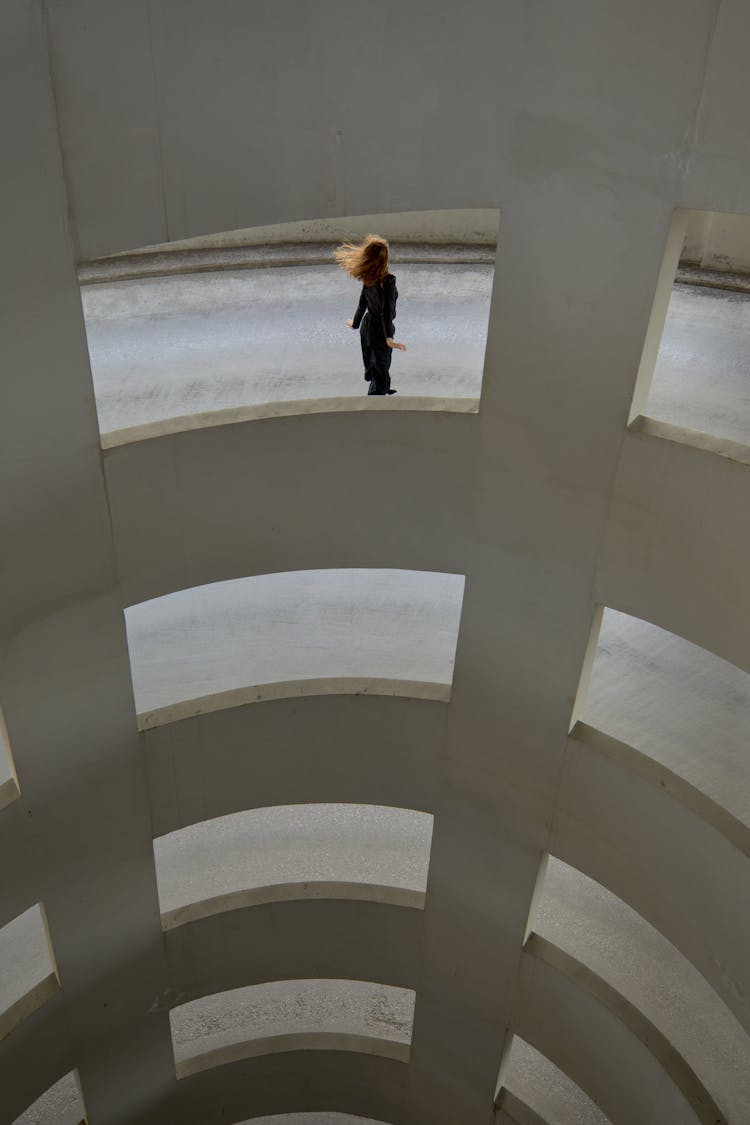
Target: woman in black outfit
[[376, 311]]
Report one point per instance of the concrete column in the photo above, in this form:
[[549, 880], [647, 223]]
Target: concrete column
[[585, 214], [79, 836]]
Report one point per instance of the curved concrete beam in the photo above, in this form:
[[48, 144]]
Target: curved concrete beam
[[303, 1081], [590, 923], [28, 976], [9, 790], [388, 751], [59, 1105], [287, 408], [276, 636], [676, 702], [34, 1058], [312, 1119], [532, 1088], [678, 514], [295, 940], [184, 515], [212, 348], [665, 849], [514, 1109], [366, 852], [292, 1015], [604, 1043]]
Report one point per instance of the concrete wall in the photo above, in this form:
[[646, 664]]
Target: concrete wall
[[587, 124], [718, 242]]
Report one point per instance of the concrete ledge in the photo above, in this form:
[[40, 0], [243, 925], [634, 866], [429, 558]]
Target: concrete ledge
[[643, 1031], [11, 1016], [9, 792], [584, 919], [293, 892], [312, 1119], [533, 1090], [287, 409], [666, 431], [517, 1109], [294, 1015], [734, 831], [293, 634], [281, 1044], [286, 853], [291, 689], [643, 835], [166, 262], [28, 976]]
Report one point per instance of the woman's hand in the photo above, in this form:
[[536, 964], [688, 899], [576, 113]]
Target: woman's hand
[[350, 324], [395, 345]]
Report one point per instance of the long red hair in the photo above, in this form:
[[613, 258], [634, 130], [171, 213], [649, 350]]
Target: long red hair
[[368, 261]]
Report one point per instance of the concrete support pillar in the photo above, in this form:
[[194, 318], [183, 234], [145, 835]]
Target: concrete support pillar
[[78, 837]]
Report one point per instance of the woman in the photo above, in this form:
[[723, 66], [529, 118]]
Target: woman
[[376, 311]]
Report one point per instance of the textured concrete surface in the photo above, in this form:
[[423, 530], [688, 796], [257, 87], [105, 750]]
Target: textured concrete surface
[[60, 1105], [545, 1089], [596, 927], [702, 374], [348, 1009], [255, 117], [386, 626], [293, 851], [677, 702], [312, 1119], [165, 347], [25, 962], [7, 774]]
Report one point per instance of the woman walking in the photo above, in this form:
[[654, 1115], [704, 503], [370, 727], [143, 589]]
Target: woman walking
[[369, 263]]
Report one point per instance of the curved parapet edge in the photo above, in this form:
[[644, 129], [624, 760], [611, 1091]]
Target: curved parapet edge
[[293, 1041], [330, 890], [27, 1004], [9, 792], [668, 431], [291, 689], [342, 404], [689, 796], [517, 1109], [674, 1065]]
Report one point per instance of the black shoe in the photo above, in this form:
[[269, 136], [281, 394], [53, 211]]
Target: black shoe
[[392, 391]]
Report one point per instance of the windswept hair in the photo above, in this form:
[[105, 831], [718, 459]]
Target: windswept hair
[[368, 261]]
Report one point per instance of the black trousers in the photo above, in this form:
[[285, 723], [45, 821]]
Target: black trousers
[[376, 356]]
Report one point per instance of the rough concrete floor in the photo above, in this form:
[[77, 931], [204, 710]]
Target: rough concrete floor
[[165, 347], [702, 375], [395, 625]]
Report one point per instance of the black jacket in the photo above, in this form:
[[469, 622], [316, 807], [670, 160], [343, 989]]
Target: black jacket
[[379, 302]]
